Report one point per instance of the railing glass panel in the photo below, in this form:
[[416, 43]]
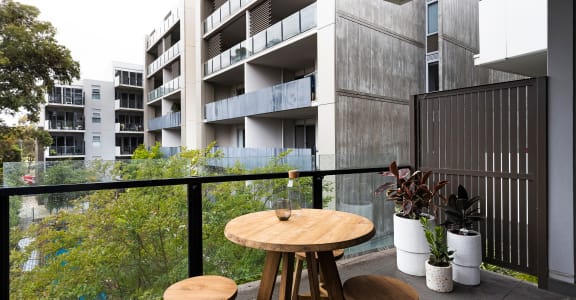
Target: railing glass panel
[[167, 88], [259, 42], [308, 17], [291, 26], [274, 35], [225, 59]]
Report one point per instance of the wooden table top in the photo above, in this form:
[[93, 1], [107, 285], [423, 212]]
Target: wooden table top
[[307, 230]]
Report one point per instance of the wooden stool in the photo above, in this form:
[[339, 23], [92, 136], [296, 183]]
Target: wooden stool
[[300, 259], [207, 287], [377, 287]]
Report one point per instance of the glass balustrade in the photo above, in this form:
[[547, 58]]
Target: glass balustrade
[[223, 12], [165, 26], [167, 88], [291, 26], [164, 58], [170, 120]]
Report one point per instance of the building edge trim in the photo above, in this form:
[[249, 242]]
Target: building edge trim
[[371, 97]]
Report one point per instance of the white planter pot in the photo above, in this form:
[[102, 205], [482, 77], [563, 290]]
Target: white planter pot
[[411, 245], [467, 257], [439, 279]]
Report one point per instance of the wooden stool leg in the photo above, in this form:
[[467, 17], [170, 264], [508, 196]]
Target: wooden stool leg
[[297, 278], [313, 275]]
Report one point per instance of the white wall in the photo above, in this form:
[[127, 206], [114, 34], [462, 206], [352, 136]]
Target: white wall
[[561, 141], [106, 129], [511, 28], [263, 133], [259, 77], [171, 138]]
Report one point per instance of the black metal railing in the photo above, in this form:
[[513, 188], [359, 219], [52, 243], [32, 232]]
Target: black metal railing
[[194, 189]]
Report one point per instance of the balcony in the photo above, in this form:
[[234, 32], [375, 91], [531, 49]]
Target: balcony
[[159, 32], [67, 101], [291, 95], [292, 26], [170, 120], [60, 151], [131, 82], [124, 151], [129, 127], [166, 89], [64, 125], [121, 104], [153, 199], [165, 58], [222, 13]]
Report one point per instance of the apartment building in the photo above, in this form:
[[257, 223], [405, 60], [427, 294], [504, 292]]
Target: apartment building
[[96, 119], [332, 76]]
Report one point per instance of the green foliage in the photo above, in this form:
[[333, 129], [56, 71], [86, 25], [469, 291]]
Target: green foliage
[[15, 206], [508, 272], [440, 256], [133, 243], [64, 172], [30, 59]]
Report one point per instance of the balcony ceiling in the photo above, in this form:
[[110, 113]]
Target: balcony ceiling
[[282, 8], [532, 64], [233, 76], [293, 56]]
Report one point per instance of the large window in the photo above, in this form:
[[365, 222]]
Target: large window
[[96, 139], [432, 26], [432, 73]]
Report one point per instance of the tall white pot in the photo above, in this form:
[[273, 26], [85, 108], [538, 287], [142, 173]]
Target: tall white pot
[[411, 246], [467, 257]]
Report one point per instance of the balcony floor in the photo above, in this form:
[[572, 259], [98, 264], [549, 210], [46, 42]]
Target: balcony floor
[[492, 286]]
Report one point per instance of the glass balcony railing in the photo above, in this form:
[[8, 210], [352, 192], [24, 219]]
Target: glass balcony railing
[[128, 104], [64, 125], [167, 88], [169, 21], [294, 94], [170, 120], [134, 127], [293, 25], [220, 15], [65, 150], [167, 56]]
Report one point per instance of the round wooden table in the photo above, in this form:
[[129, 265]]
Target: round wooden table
[[314, 231]]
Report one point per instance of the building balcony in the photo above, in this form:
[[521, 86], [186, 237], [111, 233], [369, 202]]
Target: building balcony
[[64, 125], [124, 151], [120, 104], [292, 26], [169, 22], [166, 89], [165, 58], [223, 13], [65, 101], [291, 95], [513, 36], [135, 83], [65, 151], [170, 120], [129, 127]]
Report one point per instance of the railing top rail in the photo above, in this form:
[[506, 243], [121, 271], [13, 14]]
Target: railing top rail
[[42, 189]]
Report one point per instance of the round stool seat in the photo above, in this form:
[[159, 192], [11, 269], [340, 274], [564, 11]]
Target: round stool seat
[[377, 287], [207, 287]]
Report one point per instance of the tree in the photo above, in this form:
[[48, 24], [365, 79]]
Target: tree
[[132, 243], [31, 60]]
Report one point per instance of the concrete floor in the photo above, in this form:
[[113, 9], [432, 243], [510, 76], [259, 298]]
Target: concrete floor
[[492, 286]]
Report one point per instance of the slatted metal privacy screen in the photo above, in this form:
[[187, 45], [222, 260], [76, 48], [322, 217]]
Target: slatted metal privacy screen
[[492, 140]]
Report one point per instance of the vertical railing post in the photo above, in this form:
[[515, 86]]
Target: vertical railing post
[[5, 242], [317, 191], [195, 257]]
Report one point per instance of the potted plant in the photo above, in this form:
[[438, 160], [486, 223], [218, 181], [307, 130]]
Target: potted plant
[[461, 215], [438, 266], [413, 198]]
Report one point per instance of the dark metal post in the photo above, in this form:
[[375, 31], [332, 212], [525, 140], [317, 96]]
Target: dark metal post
[[195, 257], [317, 191], [5, 241]]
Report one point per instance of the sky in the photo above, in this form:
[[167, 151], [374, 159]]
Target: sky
[[98, 32]]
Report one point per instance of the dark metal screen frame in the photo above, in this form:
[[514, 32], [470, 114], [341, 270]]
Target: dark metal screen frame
[[492, 139]]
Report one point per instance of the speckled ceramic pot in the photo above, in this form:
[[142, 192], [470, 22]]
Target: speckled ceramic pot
[[439, 279]]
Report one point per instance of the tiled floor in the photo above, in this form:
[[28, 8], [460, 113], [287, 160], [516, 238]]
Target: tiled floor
[[492, 286]]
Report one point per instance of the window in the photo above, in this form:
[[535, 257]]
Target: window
[[432, 73], [432, 18], [96, 140], [95, 92], [240, 138], [96, 117]]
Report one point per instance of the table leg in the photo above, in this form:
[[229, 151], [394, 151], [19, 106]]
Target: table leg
[[286, 279], [271, 264], [312, 264], [331, 277]]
